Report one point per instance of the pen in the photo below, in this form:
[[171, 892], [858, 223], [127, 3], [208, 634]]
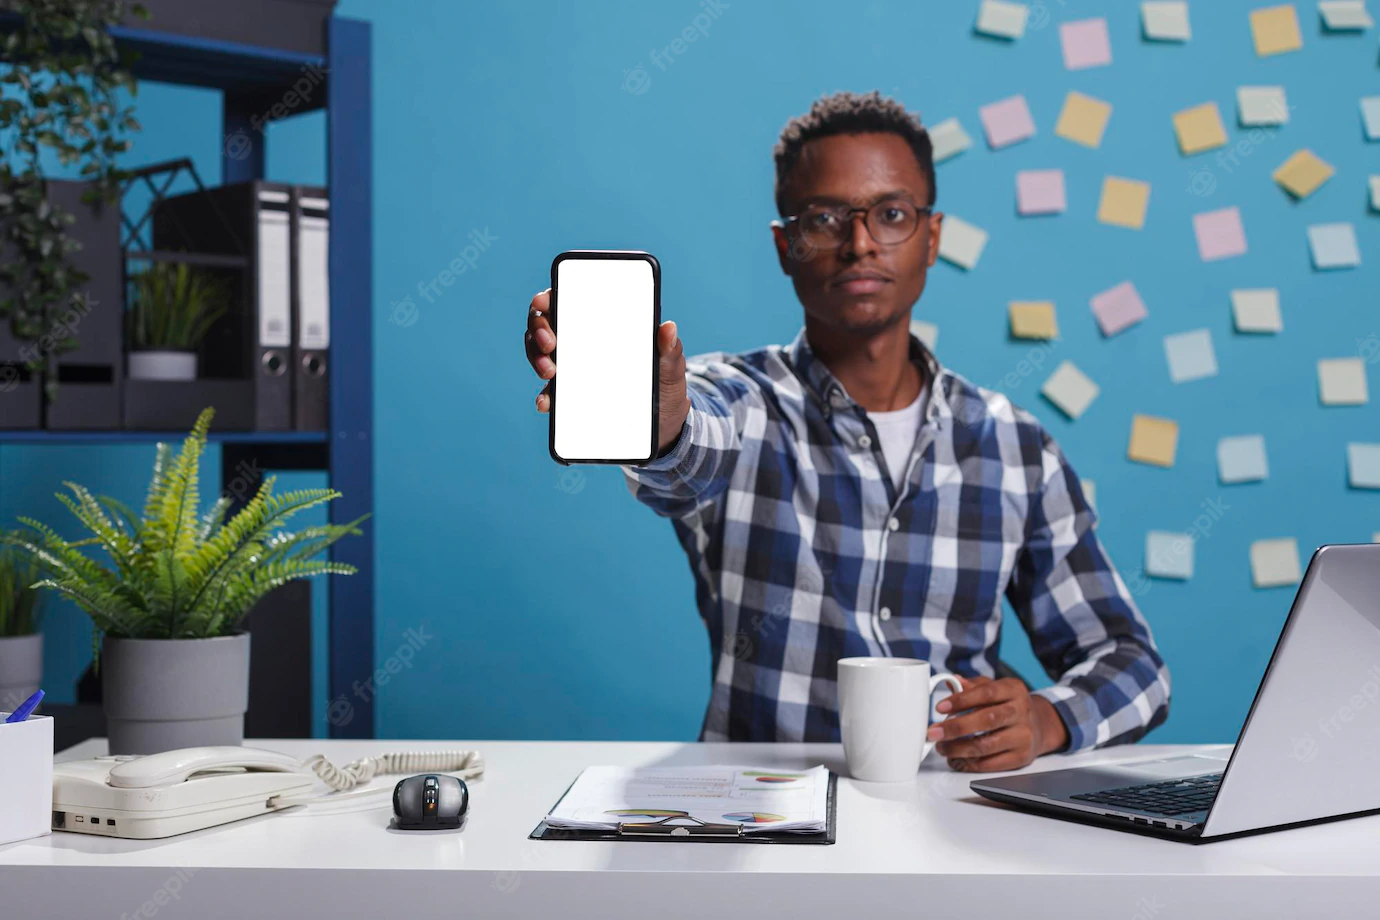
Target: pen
[[26, 707]]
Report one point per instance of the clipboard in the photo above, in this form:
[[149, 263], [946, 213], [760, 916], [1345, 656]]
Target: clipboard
[[698, 831]]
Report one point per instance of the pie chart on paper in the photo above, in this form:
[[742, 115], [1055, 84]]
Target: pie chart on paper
[[753, 817]]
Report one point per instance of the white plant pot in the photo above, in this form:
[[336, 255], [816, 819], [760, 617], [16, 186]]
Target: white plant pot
[[162, 365], [21, 669]]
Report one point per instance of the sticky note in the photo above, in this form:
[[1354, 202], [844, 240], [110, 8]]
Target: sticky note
[[1033, 319], [1165, 21], [1342, 382], [1070, 390], [1242, 459], [1363, 460], [1375, 193], [1040, 191], [1007, 122], [1083, 120], [961, 243], [1118, 308], [1345, 15], [948, 139], [1153, 440], [1333, 246], [1190, 355], [1276, 30], [1124, 202], [1302, 173], [1375, 537], [1256, 310], [1220, 234], [1090, 493], [1200, 128], [925, 332], [1001, 19], [1085, 44], [1261, 105], [1370, 116], [1168, 554], [1275, 563]]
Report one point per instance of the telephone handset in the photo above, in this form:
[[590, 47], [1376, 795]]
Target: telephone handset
[[160, 795]]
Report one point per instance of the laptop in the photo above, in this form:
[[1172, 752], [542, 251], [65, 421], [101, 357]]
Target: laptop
[[1306, 753]]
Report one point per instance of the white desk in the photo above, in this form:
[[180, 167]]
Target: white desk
[[929, 848]]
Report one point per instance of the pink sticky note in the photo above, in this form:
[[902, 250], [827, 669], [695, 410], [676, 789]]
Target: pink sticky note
[[1118, 308], [1007, 122], [1085, 44], [1220, 234], [1040, 191]]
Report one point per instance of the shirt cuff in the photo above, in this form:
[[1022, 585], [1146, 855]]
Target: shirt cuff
[[679, 454], [1079, 715]]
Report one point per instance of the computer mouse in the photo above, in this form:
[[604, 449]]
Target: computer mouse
[[430, 801]]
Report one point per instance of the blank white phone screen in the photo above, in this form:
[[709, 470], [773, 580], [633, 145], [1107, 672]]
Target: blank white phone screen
[[604, 369]]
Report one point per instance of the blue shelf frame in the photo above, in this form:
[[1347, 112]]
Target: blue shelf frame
[[252, 79]]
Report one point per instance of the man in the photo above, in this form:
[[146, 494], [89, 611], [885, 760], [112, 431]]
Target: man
[[847, 495]]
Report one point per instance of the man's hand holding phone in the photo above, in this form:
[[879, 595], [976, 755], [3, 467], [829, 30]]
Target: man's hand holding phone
[[540, 343]]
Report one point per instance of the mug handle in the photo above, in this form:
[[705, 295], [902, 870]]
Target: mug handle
[[935, 681]]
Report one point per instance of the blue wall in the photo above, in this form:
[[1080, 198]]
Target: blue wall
[[556, 606]]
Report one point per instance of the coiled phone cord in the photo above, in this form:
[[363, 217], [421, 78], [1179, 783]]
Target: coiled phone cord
[[465, 764]]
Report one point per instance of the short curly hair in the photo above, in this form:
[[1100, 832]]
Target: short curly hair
[[850, 113]]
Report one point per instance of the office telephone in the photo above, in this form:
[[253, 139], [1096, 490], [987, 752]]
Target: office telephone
[[161, 795]]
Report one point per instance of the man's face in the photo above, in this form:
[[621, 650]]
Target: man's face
[[862, 286]]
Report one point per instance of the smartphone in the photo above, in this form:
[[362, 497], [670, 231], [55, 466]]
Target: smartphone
[[605, 310]]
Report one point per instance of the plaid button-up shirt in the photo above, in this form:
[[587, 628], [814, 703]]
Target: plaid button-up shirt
[[804, 552]]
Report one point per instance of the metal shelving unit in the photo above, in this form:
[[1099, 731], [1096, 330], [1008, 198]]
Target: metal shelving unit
[[252, 80]]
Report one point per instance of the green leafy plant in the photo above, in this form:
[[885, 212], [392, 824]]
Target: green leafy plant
[[19, 571], [174, 306], [174, 574], [62, 81]]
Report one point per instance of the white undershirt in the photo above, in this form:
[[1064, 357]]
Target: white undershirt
[[897, 430]]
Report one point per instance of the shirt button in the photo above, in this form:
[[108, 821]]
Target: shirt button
[[893, 525], [884, 614], [864, 442]]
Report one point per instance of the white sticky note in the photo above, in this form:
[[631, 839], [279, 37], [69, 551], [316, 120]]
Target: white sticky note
[[925, 332], [948, 139], [1261, 105], [1165, 21], [1375, 193], [1342, 382], [1275, 563], [1333, 246], [1256, 310], [1345, 15], [1190, 355], [961, 243], [1370, 116], [1090, 493], [1242, 459], [1363, 460], [1070, 390], [1168, 554], [1002, 19]]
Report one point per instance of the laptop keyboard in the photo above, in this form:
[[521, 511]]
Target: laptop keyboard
[[1171, 798]]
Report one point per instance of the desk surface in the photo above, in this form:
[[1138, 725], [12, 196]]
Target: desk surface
[[928, 843]]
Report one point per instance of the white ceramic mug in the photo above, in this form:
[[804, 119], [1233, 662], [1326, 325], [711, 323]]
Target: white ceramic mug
[[884, 713]]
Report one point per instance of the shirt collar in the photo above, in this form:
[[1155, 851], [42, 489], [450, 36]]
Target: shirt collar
[[832, 394]]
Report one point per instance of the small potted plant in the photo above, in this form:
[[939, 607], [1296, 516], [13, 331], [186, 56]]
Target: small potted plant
[[170, 603], [173, 307], [21, 644]]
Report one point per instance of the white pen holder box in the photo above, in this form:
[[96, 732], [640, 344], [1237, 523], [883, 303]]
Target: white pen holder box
[[26, 778]]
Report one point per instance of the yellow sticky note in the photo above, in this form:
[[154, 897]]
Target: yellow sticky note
[[1276, 30], [1153, 440], [1302, 173], [1123, 202], [1033, 319], [1083, 119], [1200, 128]]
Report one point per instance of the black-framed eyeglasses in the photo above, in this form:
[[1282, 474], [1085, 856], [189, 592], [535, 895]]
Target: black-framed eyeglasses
[[889, 221]]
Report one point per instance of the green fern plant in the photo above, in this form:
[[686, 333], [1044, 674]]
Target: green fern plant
[[175, 574], [18, 596]]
